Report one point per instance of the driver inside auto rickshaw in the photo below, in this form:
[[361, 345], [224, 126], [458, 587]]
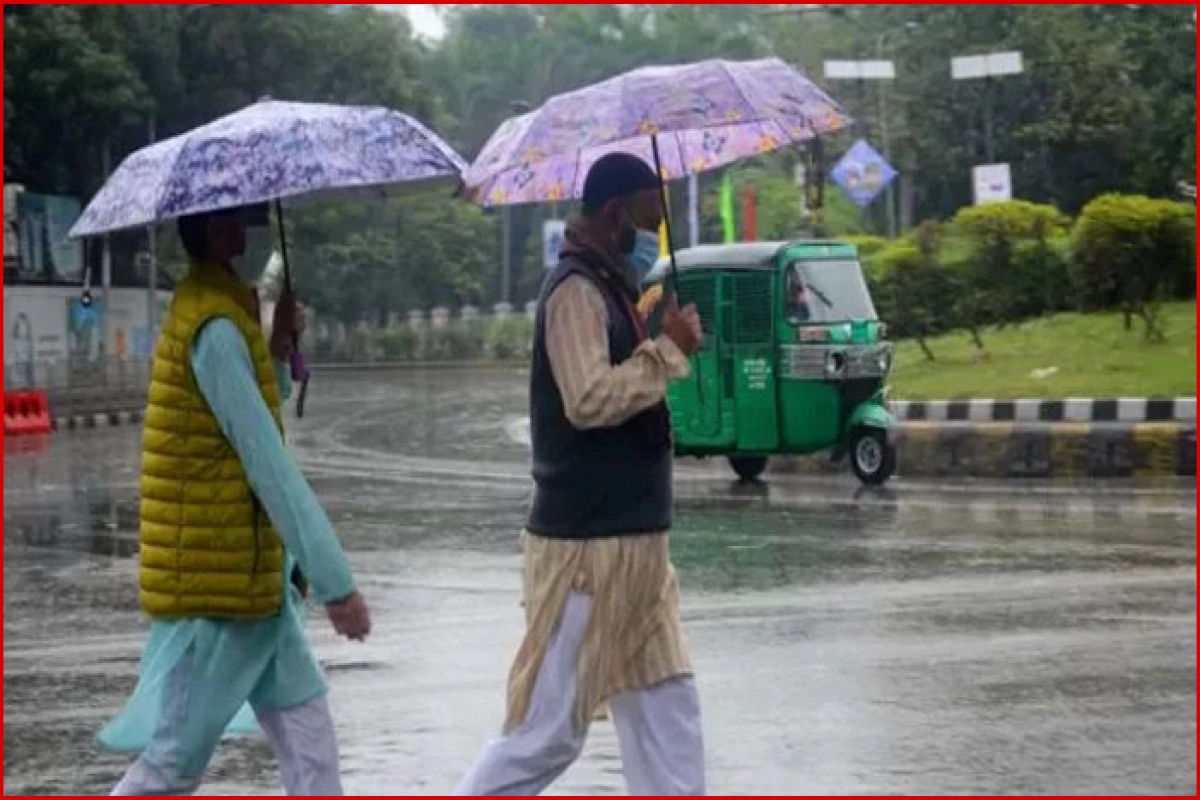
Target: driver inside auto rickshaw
[[797, 308]]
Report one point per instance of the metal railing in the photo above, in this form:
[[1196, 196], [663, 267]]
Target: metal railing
[[83, 385]]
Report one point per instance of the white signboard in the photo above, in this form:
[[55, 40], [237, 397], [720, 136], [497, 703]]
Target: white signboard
[[992, 65], [993, 183], [553, 233]]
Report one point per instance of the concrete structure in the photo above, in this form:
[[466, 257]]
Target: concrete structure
[[47, 329]]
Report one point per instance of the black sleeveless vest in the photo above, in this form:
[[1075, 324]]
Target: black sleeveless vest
[[605, 481]]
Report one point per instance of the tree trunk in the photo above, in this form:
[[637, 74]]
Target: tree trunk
[[1149, 315], [925, 349]]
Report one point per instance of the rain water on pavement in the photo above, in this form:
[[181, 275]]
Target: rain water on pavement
[[1003, 638]]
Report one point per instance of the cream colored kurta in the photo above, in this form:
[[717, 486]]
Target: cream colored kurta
[[634, 638]]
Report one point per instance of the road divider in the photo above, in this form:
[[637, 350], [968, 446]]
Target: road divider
[[1038, 450], [1085, 409]]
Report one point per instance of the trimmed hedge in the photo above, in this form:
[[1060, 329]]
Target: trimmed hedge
[[1003, 263], [1131, 253]]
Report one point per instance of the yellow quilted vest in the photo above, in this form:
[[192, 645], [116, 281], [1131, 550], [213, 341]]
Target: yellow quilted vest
[[207, 549]]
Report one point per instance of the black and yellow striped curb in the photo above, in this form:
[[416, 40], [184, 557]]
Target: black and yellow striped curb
[[1047, 451], [1087, 409]]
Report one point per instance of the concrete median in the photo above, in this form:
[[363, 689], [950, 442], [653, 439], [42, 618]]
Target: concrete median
[[1049, 450]]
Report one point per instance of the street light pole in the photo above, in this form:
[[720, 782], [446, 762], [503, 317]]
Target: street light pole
[[987, 68], [889, 192], [888, 196]]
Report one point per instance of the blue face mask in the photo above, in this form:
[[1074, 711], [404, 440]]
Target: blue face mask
[[644, 255]]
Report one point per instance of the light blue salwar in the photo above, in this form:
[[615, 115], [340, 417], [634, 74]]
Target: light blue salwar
[[229, 666]]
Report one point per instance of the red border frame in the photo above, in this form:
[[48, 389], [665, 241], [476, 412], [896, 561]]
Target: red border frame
[[904, 2]]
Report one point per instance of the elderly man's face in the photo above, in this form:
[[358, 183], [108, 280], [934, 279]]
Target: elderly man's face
[[626, 216], [646, 210]]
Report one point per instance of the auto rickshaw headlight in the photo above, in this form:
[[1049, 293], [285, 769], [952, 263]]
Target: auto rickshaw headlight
[[835, 365], [884, 358]]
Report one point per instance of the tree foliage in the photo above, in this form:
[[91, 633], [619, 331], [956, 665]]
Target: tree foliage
[[1106, 104]]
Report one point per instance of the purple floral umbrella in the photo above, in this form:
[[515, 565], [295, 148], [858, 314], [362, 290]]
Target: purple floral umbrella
[[266, 153], [686, 119]]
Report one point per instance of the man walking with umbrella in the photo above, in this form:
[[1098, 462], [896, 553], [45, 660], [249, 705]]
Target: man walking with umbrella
[[601, 600], [226, 515], [226, 520]]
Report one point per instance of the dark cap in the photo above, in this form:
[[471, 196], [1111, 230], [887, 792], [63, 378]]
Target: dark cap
[[616, 175]]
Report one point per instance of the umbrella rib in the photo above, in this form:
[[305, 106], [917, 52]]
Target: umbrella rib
[[166, 184], [738, 86]]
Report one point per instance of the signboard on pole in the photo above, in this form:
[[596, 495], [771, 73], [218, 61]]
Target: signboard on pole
[[554, 232], [863, 174], [993, 183]]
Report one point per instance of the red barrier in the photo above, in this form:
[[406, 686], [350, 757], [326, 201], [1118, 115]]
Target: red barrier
[[26, 413]]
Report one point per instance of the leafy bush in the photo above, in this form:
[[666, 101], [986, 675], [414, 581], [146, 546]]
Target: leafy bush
[[357, 347], [1014, 219], [1041, 277], [398, 344], [995, 233], [867, 245], [510, 338], [455, 343], [1130, 252], [908, 292]]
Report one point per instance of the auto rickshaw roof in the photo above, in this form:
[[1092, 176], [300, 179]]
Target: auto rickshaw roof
[[744, 255], [740, 256]]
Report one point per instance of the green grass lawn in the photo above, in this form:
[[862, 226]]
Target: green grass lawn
[[1092, 355]]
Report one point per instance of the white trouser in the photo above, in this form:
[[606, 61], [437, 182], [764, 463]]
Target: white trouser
[[302, 737], [658, 729]]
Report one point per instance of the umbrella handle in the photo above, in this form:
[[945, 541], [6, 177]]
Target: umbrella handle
[[299, 367], [662, 195], [300, 373]]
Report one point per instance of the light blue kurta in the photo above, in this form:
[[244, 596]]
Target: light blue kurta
[[235, 664]]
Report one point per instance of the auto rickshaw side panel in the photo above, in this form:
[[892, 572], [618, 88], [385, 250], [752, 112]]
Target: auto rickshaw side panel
[[752, 373], [702, 404]]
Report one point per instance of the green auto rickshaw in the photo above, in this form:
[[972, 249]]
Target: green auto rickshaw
[[793, 361]]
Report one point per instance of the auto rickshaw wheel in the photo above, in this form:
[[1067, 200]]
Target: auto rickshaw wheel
[[748, 468], [872, 456]]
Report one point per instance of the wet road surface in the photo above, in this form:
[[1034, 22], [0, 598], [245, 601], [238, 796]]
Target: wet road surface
[[1013, 638]]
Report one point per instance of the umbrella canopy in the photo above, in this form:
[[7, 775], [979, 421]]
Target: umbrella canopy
[[271, 150], [703, 115]]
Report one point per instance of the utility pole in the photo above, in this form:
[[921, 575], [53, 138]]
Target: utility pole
[[518, 107], [888, 196]]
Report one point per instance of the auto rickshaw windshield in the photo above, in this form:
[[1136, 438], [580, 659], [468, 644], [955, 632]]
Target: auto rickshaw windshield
[[833, 290]]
